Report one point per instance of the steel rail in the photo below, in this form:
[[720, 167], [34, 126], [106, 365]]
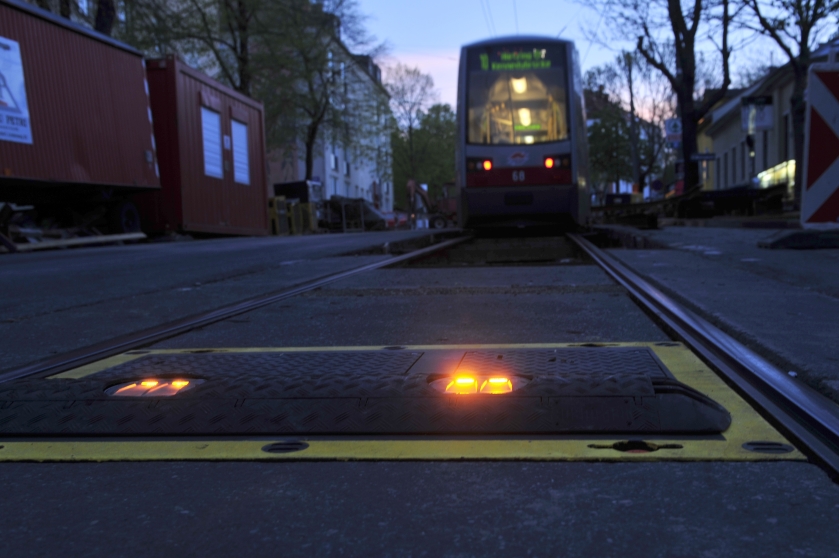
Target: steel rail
[[805, 415], [120, 344]]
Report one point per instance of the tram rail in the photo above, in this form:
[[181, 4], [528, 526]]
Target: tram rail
[[796, 409], [136, 340], [799, 412]]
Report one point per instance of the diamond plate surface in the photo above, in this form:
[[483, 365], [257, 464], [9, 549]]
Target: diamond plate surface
[[580, 389]]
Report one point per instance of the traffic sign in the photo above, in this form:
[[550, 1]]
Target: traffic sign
[[673, 129], [820, 188], [756, 113]]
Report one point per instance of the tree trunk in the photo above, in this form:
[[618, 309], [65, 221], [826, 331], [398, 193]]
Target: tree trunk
[[311, 138], [244, 52], [105, 16], [64, 8], [633, 125]]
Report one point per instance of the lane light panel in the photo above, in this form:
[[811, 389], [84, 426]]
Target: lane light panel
[[152, 388]]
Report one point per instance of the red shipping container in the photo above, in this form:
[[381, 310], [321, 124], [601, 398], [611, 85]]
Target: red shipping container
[[211, 149], [74, 111]]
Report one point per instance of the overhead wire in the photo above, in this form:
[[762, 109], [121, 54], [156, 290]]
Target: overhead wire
[[516, 16], [486, 19], [491, 19]]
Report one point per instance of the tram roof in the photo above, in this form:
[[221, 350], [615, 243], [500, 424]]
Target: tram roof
[[512, 39]]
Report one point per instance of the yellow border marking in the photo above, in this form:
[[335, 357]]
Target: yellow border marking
[[94, 367], [747, 425], [378, 450]]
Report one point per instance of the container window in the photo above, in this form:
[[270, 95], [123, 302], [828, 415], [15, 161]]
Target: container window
[[211, 132], [241, 162]]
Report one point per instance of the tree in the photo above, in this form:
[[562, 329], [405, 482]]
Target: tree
[[434, 141], [796, 27], [411, 93], [608, 136], [214, 36], [317, 90], [627, 102], [293, 55], [667, 34]]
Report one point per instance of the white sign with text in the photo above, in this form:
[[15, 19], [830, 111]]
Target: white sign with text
[[14, 110]]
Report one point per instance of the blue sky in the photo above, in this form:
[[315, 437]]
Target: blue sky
[[428, 33]]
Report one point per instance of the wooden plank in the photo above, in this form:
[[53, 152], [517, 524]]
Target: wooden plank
[[81, 241]]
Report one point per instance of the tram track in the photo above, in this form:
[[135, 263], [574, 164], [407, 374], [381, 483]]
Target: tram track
[[139, 339], [799, 411]]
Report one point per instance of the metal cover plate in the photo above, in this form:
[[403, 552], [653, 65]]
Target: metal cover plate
[[619, 390]]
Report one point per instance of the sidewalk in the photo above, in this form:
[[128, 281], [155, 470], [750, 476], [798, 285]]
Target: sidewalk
[[784, 304]]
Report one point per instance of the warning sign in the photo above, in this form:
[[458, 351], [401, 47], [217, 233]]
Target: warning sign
[[820, 192], [14, 110]]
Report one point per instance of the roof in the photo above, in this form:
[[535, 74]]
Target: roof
[[730, 109], [513, 39], [67, 24]]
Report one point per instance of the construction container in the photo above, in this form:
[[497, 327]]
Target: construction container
[[75, 123], [211, 149]]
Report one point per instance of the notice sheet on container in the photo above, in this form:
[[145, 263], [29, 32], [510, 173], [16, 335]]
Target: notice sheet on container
[[14, 110]]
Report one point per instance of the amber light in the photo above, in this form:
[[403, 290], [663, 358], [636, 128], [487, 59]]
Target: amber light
[[151, 388], [462, 385], [497, 385], [487, 165], [549, 162]]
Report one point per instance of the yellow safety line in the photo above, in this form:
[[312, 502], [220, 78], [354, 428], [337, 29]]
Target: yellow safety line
[[747, 425], [378, 450]]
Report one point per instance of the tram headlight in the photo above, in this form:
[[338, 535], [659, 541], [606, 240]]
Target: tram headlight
[[487, 164], [549, 162]]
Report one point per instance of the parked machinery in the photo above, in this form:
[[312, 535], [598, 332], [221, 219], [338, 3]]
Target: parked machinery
[[522, 149]]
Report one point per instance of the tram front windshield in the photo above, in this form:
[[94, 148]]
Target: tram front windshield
[[517, 96]]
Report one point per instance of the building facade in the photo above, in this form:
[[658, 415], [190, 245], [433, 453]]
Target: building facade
[[770, 160], [361, 167]]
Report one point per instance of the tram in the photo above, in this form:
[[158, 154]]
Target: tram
[[522, 155]]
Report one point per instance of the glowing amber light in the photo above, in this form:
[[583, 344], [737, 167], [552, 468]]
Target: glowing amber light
[[487, 165], [125, 388], [152, 388], [462, 385], [497, 385], [549, 163]]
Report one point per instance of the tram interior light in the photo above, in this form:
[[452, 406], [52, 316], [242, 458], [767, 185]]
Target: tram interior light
[[524, 117], [528, 139], [487, 164], [519, 85], [549, 162]]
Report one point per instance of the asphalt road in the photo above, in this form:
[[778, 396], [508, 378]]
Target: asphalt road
[[663, 508]]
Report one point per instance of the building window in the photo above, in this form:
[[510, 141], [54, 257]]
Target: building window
[[346, 168], [333, 161], [742, 160], [765, 150], [724, 183], [211, 135], [334, 186], [241, 160], [785, 140]]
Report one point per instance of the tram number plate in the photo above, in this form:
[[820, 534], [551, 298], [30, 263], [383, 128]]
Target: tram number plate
[[518, 176]]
